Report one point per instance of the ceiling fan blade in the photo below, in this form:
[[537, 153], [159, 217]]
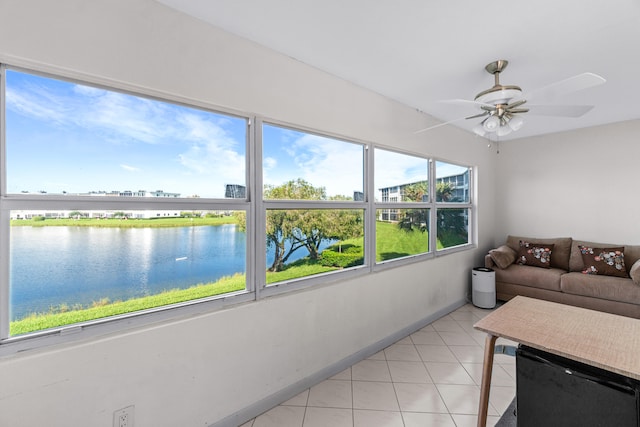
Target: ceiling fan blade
[[450, 121], [439, 124], [477, 115], [563, 87], [560, 110], [466, 102], [516, 104]]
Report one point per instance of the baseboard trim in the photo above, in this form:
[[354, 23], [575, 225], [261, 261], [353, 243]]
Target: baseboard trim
[[263, 405]]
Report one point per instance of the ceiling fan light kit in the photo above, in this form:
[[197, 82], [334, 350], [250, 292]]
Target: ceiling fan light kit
[[491, 124], [516, 123]]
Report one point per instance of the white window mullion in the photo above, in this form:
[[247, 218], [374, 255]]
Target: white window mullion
[[4, 274], [4, 219], [433, 216], [258, 217], [371, 211]]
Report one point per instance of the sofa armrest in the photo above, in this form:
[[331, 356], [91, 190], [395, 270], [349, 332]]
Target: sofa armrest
[[488, 261]]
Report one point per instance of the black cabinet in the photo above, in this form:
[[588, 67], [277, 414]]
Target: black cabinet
[[555, 391]]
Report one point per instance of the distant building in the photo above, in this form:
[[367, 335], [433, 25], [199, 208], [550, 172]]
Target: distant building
[[140, 214], [459, 185], [139, 193], [113, 193], [235, 191], [102, 214]]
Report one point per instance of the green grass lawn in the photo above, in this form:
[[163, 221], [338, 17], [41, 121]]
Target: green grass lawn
[[60, 316], [391, 242]]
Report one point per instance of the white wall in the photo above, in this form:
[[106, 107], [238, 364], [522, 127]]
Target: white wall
[[202, 369], [582, 184]]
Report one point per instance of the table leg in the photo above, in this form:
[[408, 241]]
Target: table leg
[[489, 347]]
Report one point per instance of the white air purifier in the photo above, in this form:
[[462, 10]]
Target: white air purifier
[[483, 287]]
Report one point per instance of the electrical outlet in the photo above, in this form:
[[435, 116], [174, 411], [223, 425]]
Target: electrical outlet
[[123, 417]]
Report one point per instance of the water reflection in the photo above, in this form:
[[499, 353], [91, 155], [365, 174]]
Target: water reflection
[[51, 266]]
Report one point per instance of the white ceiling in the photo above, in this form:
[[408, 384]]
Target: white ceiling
[[420, 52]]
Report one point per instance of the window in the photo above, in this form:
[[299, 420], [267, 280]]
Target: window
[[453, 204], [402, 214], [117, 203], [309, 183], [405, 205]]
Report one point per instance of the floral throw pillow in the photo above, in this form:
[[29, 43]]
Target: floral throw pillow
[[535, 254], [605, 261]]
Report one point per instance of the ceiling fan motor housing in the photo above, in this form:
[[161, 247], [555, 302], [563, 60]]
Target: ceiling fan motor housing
[[498, 94]]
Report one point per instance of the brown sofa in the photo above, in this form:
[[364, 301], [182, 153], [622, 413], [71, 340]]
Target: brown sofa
[[561, 279]]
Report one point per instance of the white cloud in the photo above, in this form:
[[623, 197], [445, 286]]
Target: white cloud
[[130, 168], [269, 163], [212, 151], [323, 162], [393, 168], [30, 104]]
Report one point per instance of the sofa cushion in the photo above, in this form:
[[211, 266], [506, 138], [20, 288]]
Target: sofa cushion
[[535, 254], [631, 254], [603, 261], [544, 278], [603, 287], [503, 256], [561, 248], [634, 272]]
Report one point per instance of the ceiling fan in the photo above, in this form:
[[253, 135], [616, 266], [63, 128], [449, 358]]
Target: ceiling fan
[[502, 106]]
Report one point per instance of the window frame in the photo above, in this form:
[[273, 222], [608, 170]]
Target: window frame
[[469, 205], [253, 204], [33, 201], [264, 290], [393, 205]]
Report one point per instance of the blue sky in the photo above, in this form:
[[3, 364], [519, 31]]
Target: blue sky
[[324, 162], [67, 137], [63, 136]]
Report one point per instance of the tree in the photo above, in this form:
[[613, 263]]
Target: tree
[[452, 223], [444, 192], [417, 219], [287, 231], [412, 219], [77, 214], [416, 192]]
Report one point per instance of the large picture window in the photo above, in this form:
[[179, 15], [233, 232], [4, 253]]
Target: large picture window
[[402, 200], [115, 205], [411, 195], [308, 181]]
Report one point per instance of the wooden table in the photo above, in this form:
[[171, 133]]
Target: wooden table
[[603, 340]]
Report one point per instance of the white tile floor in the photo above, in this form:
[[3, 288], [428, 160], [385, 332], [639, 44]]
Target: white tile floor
[[430, 378]]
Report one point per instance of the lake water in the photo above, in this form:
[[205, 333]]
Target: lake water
[[78, 265]]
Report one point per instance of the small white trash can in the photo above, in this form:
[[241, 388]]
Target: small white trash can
[[483, 287]]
